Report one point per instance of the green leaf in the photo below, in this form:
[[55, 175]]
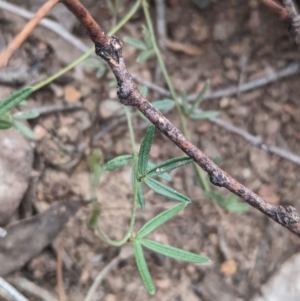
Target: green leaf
[[27, 115], [201, 94], [14, 99], [166, 191], [118, 162], [168, 165], [4, 124], [215, 196], [141, 198], [237, 207], [145, 150], [204, 115], [164, 176], [164, 104], [159, 220], [144, 91], [147, 37], [23, 129], [142, 267], [173, 252], [136, 43], [94, 215], [144, 56]]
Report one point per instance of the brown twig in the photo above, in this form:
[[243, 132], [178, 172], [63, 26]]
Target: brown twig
[[276, 8], [110, 49], [295, 19], [19, 39]]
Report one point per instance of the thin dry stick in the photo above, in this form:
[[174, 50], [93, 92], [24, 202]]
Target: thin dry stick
[[295, 19], [256, 141], [276, 8], [47, 23], [20, 38], [8, 292], [110, 49], [59, 275]]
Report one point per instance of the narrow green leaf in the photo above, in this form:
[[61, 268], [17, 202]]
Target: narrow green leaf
[[160, 219], [204, 115], [232, 198], [27, 115], [147, 37], [118, 162], [145, 150], [164, 176], [14, 99], [136, 43], [142, 267], [237, 207], [168, 165], [164, 104], [144, 91], [94, 215], [4, 124], [144, 56], [142, 116], [166, 191], [215, 196], [23, 129], [201, 94], [173, 252], [141, 198]]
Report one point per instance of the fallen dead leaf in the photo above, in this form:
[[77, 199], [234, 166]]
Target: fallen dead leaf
[[185, 48], [27, 238], [71, 94], [229, 267]]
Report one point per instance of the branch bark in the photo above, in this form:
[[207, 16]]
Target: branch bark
[[110, 49]]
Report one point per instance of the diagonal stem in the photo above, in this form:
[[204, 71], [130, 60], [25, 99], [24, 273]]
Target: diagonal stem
[[111, 52]]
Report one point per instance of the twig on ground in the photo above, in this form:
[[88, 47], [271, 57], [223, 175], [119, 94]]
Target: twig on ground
[[291, 69], [110, 49], [20, 38], [32, 289], [8, 292], [294, 18], [60, 107], [256, 141], [59, 274], [52, 25], [276, 8], [124, 254]]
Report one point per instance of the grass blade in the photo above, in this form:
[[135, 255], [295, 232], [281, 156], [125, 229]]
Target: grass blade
[[142, 267], [173, 252], [27, 115], [144, 56], [159, 220], [168, 165], [201, 94], [5, 124], [164, 104], [14, 99], [204, 115], [166, 191], [145, 150], [118, 162]]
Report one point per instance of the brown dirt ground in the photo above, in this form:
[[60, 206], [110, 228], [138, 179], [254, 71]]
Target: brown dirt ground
[[245, 249]]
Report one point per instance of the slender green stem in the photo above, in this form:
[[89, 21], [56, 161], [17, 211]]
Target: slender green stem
[[163, 67], [90, 51], [199, 171], [127, 236], [131, 133]]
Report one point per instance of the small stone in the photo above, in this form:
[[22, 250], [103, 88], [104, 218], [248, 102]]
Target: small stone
[[71, 94], [109, 107], [163, 284], [224, 103], [229, 267], [39, 132], [110, 297], [223, 30]]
